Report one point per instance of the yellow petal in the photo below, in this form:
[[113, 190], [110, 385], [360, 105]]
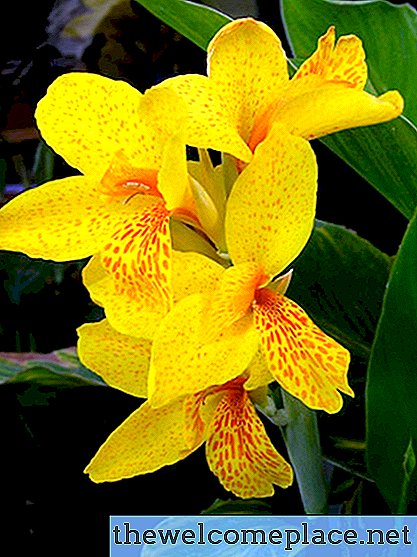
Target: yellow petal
[[343, 62], [60, 220], [127, 315], [239, 451], [233, 297], [312, 108], [305, 361], [173, 182], [138, 255], [248, 68], [258, 372], [209, 125], [121, 360], [193, 273], [146, 441], [87, 118], [183, 362], [270, 211]]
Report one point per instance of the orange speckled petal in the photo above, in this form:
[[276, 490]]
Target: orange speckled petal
[[209, 125], [239, 451], [305, 361], [146, 441], [127, 315], [344, 62], [184, 362], [270, 211], [87, 118], [312, 108], [138, 255], [248, 67], [233, 297], [193, 273], [60, 220], [122, 361]]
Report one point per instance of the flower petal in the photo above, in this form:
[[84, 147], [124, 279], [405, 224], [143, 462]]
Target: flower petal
[[87, 118], [209, 126], [343, 62], [248, 67], [138, 256], [193, 273], [60, 220], [233, 297], [258, 372], [121, 360], [270, 211], [305, 361], [173, 181], [146, 441], [239, 451], [312, 108], [129, 316], [184, 362]]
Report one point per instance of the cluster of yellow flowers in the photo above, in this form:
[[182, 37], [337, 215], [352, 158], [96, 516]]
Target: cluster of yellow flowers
[[187, 256]]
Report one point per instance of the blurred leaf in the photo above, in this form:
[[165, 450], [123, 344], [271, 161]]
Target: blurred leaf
[[240, 506], [27, 276], [386, 154], [196, 22], [340, 281], [43, 166], [392, 377], [57, 369]]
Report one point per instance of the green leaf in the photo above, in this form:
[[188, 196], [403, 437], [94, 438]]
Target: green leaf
[[392, 377], [340, 280], [57, 369], [43, 166], [197, 23], [385, 154], [240, 506]]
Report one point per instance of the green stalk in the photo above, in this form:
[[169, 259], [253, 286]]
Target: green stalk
[[302, 439]]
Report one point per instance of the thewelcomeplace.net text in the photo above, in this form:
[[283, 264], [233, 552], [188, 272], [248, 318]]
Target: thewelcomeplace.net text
[[288, 538]]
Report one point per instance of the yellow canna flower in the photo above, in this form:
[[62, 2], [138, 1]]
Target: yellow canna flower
[[269, 217], [248, 90], [238, 449], [130, 150]]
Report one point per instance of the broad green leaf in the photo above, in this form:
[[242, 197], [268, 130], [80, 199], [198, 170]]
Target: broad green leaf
[[196, 22], [385, 154], [392, 375], [340, 281], [57, 369]]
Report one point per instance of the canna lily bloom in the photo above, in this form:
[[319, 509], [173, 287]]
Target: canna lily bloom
[[238, 449], [131, 153], [248, 90], [269, 217]]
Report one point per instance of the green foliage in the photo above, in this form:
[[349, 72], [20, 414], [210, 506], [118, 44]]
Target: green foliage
[[240, 506], [392, 379], [57, 369], [340, 281], [197, 23]]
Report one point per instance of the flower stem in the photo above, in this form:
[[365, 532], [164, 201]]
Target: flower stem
[[302, 439]]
